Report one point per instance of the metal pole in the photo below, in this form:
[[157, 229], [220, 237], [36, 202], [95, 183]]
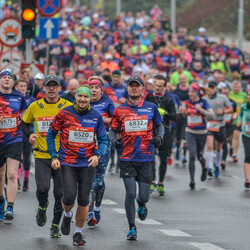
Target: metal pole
[[118, 7], [28, 51], [173, 16], [240, 24]]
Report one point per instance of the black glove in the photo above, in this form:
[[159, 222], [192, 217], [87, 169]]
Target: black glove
[[156, 141], [118, 144]]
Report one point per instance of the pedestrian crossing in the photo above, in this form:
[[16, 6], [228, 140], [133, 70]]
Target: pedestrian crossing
[[166, 232]]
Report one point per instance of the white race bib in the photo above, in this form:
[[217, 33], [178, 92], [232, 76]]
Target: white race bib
[[9, 124], [43, 124], [136, 125], [80, 136], [227, 118], [213, 126], [194, 120], [247, 128]]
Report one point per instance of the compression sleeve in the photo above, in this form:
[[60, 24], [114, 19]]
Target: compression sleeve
[[112, 136], [160, 129], [102, 145], [25, 127], [208, 113], [50, 138]]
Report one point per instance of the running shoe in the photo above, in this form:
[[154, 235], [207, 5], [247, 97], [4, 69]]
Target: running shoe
[[177, 155], [223, 165], [235, 159], [97, 216], [169, 160], [78, 239], [160, 189], [111, 166], [41, 217], [2, 204], [210, 173], [132, 234], [231, 151], [153, 188], [9, 214], [26, 184], [204, 174], [55, 231], [247, 184], [217, 171], [19, 188], [192, 185], [91, 220], [142, 212], [65, 227], [184, 160]]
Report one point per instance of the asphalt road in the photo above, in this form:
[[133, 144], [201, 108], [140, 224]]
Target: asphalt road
[[214, 216]]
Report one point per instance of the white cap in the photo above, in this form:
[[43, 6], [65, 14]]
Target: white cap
[[202, 29], [102, 23], [150, 80], [222, 85], [39, 76], [96, 15], [108, 56]]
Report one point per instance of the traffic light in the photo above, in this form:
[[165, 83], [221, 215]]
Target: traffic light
[[28, 18]]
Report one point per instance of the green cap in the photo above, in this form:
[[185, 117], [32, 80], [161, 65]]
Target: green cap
[[84, 90]]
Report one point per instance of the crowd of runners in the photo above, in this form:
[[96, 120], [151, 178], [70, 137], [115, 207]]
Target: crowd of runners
[[119, 94]]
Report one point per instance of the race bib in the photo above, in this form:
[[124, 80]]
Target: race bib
[[9, 124], [195, 120], [247, 129], [234, 61], [136, 125], [80, 137], [213, 126], [227, 118], [43, 124]]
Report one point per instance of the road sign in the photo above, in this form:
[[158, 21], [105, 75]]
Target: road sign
[[36, 68], [10, 32], [11, 59], [49, 8], [49, 28]]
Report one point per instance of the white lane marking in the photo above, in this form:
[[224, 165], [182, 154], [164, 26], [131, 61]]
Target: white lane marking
[[149, 222], [108, 202], [119, 210], [205, 246], [177, 233]]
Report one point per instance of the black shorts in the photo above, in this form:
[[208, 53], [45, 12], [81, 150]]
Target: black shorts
[[237, 128], [229, 131], [246, 144], [12, 151], [142, 171], [218, 136]]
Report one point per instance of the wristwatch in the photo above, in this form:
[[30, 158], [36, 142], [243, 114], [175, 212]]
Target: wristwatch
[[98, 156]]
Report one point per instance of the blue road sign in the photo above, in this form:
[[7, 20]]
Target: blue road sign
[[49, 8], [49, 28]]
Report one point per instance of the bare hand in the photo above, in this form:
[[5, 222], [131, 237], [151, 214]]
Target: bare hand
[[219, 112], [122, 100], [182, 110], [234, 116], [32, 139], [55, 164], [239, 124], [198, 107], [93, 161]]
